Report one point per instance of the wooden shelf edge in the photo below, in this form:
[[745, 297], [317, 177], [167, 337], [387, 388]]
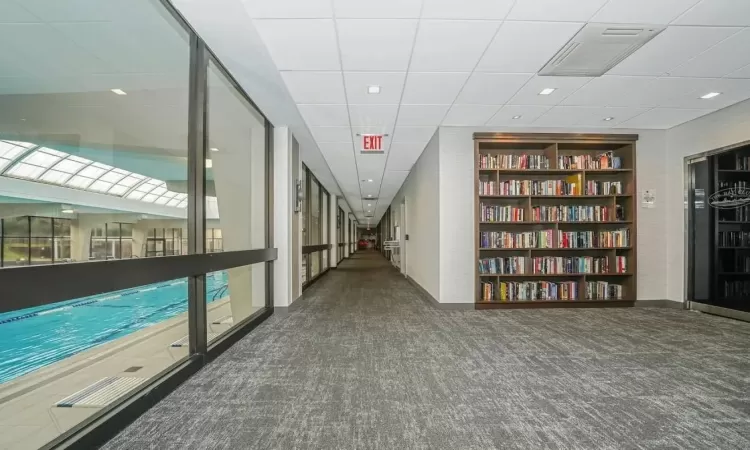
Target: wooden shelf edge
[[601, 222], [555, 304], [556, 275], [556, 196], [557, 249]]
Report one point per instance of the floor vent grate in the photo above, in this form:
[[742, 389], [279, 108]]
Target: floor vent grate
[[101, 393]]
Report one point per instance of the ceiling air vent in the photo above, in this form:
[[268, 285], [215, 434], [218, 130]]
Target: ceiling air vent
[[597, 48]]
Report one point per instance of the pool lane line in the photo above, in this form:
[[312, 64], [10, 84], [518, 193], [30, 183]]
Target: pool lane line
[[89, 302]]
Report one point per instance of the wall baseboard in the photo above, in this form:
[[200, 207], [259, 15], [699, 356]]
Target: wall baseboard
[[659, 304], [437, 304]]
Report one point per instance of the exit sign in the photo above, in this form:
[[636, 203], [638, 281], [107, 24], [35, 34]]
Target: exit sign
[[372, 143]]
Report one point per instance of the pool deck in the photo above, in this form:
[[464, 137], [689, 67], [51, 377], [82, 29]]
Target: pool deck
[[28, 417]]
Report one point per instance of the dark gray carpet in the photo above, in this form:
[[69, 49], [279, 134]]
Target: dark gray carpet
[[366, 363]]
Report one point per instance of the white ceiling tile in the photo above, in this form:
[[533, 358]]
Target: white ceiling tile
[[469, 115], [526, 115], [642, 11], [566, 116], [391, 86], [564, 86], [303, 44], [394, 177], [331, 134], [11, 12], [376, 45], [289, 9], [337, 151], [325, 115], [732, 91], [671, 48], [724, 58], [466, 9], [381, 9], [378, 116], [717, 12], [741, 73], [403, 155], [451, 45], [664, 118], [413, 134], [555, 10], [525, 47], [491, 88], [433, 88], [315, 87], [632, 91], [421, 115], [586, 116]]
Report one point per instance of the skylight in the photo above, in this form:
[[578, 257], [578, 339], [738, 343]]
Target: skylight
[[28, 161]]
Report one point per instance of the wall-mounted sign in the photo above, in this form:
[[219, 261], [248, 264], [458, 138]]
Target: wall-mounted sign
[[372, 143], [648, 198]]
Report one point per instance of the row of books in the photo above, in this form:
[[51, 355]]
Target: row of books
[[538, 187], [603, 188], [742, 163], [602, 290], [529, 291], [603, 161], [734, 239], [513, 162], [737, 289], [572, 213], [551, 265], [514, 265], [740, 214], [520, 240], [554, 239], [593, 239], [740, 263], [554, 265], [487, 187], [497, 213]]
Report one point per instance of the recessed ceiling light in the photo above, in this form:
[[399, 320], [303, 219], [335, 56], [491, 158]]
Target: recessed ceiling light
[[209, 164], [214, 149], [67, 211], [374, 89], [608, 118], [516, 117], [369, 181], [369, 195], [711, 95], [119, 91], [547, 91]]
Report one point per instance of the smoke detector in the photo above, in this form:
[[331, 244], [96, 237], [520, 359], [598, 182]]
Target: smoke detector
[[597, 48]]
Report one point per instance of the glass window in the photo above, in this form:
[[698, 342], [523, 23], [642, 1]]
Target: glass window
[[314, 212], [16, 226], [42, 251], [41, 226], [15, 251], [303, 209], [62, 227], [236, 186]]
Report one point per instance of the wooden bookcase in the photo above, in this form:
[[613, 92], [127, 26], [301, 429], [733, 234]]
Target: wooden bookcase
[[570, 188]]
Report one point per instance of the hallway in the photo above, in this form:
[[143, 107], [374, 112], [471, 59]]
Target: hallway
[[365, 362]]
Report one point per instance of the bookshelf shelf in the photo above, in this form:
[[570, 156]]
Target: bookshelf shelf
[[540, 163]]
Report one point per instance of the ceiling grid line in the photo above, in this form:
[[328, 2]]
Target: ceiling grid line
[[473, 70], [398, 111]]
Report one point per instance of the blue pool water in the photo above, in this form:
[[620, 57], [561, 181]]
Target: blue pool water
[[35, 337]]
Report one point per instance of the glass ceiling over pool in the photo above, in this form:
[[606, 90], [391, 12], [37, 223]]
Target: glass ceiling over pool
[[31, 162]]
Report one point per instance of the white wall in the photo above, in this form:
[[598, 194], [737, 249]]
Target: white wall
[[720, 129], [424, 247], [457, 221]]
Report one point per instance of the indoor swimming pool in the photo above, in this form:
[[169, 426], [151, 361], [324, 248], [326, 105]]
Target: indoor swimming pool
[[36, 337]]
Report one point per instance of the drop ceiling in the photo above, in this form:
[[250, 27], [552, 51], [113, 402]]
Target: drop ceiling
[[475, 63]]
